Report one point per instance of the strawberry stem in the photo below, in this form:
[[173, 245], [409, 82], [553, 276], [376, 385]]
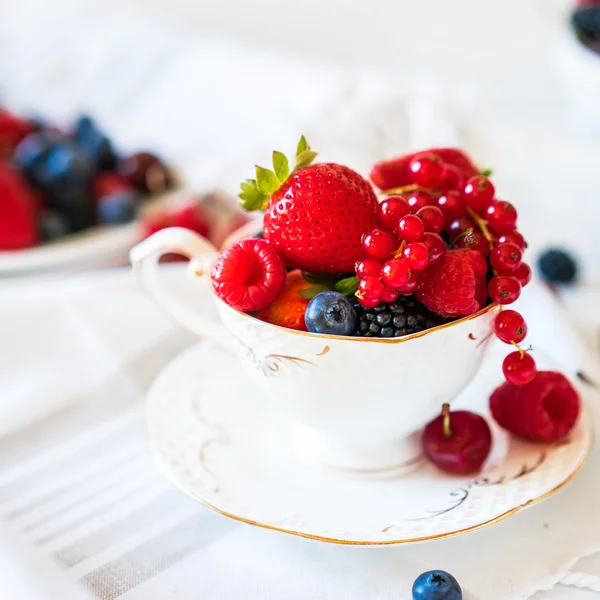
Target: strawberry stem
[[446, 420]]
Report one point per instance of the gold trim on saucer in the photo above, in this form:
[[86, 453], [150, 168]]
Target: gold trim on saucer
[[163, 468]]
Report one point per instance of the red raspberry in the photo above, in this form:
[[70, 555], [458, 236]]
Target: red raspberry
[[248, 275], [454, 285], [544, 410]]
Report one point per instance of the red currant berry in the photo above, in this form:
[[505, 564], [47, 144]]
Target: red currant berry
[[427, 170], [378, 244], [523, 274], [368, 302], [411, 286], [512, 237], [419, 200], [410, 228], [432, 218], [474, 241], [479, 192], [504, 289], [506, 258], [370, 287], [368, 267], [519, 368], [510, 327], [435, 244], [501, 216], [395, 273], [452, 205], [389, 294], [391, 210], [458, 226], [457, 442], [416, 256], [452, 179]]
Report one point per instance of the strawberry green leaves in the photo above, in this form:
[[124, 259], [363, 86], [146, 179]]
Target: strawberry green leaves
[[256, 193]]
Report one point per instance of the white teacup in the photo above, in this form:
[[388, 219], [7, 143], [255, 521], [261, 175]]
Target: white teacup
[[358, 403]]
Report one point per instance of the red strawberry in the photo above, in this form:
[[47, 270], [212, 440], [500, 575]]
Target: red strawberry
[[544, 410], [248, 275], [12, 131], [455, 285], [18, 226], [287, 310], [316, 215], [393, 173]]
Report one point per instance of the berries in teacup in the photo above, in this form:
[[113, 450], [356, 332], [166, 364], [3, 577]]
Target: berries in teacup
[[436, 585], [315, 214], [458, 441]]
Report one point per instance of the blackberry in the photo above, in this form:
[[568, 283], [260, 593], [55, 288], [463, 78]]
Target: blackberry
[[557, 266], [395, 319]]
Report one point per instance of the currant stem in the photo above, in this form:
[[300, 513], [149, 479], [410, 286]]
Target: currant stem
[[413, 187], [481, 223], [521, 351], [398, 252], [446, 420]]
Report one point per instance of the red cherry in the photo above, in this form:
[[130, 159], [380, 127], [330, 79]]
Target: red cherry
[[519, 368], [378, 244], [368, 267], [192, 215], [457, 442], [512, 237], [370, 287], [411, 286], [368, 302], [410, 228], [460, 225], [395, 273], [474, 241], [452, 205], [416, 256], [452, 178], [389, 294], [523, 274], [419, 200], [146, 172], [432, 218], [427, 170], [435, 244], [510, 327], [391, 210], [504, 289], [506, 258], [501, 216], [479, 192]]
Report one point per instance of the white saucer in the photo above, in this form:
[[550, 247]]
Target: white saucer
[[219, 440]]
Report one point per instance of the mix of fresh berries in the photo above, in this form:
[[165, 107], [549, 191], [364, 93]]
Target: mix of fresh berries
[[438, 245], [436, 585], [585, 21], [67, 181]]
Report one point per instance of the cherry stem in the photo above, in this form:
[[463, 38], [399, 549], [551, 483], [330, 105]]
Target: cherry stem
[[482, 224], [446, 420], [398, 252], [521, 351]]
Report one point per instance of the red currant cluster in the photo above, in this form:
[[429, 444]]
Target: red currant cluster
[[518, 367], [412, 219]]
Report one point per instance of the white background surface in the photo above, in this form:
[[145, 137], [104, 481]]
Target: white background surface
[[146, 69]]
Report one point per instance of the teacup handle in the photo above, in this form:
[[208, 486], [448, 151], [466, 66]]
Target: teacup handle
[[202, 254]]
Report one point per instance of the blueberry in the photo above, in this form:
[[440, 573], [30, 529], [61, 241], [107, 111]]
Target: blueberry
[[586, 22], [436, 585], [330, 313], [53, 225], [32, 150], [119, 207], [91, 140], [64, 167], [557, 266]]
